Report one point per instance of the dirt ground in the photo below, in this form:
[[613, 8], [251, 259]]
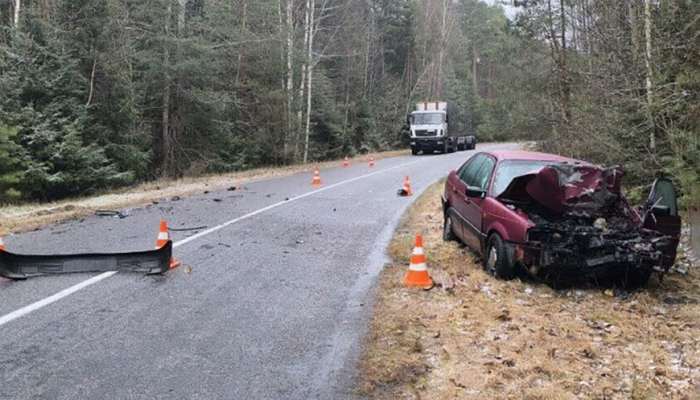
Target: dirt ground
[[35, 215], [488, 339]]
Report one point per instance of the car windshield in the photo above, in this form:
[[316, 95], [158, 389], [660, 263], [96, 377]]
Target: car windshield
[[426, 119], [509, 170]]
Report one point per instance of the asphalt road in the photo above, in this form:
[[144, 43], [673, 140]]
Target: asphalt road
[[275, 306]]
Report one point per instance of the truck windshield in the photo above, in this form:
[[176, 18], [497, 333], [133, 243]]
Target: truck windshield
[[427, 119], [509, 170]]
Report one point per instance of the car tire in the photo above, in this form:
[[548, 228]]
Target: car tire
[[496, 260], [636, 278], [448, 233]]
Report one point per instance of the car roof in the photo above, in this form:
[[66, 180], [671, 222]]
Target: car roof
[[530, 155]]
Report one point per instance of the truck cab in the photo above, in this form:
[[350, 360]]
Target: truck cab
[[429, 128]]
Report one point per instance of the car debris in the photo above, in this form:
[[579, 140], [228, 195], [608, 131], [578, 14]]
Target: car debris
[[195, 228], [20, 266], [113, 213]]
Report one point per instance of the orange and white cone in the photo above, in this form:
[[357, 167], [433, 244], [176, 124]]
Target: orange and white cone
[[317, 178], [371, 162], [163, 238], [2, 244], [346, 163], [418, 270], [407, 186]]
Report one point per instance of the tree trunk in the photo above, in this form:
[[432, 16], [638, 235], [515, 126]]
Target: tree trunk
[[240, 53], [165, 136], [309, 80], [564, 69], [647, 61], [302, 80], [16, 16], [289, 86]]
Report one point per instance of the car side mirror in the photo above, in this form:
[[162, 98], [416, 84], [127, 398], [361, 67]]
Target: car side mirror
[[473, 191]]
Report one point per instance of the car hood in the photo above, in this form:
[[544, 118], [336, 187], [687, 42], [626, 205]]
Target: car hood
[[579, 189]]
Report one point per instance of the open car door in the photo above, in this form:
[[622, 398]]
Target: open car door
[[661, 215]]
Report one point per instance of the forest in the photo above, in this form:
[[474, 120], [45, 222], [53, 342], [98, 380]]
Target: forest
[[101, 94]]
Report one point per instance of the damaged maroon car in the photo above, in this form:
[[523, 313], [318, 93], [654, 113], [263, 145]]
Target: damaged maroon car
[[559, 220]]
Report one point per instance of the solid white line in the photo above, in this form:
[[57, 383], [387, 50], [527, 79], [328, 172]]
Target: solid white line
[[54, 298], [82, 285]]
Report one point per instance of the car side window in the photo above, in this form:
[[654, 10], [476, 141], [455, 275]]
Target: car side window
[[468, 172], [483, 177]]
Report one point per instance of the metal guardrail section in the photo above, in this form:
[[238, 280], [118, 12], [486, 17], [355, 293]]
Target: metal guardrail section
[[19, 266]]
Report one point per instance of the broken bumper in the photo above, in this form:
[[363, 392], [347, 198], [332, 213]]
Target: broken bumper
[[18, 266]]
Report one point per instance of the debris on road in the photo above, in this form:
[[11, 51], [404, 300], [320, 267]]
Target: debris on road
[[175, 198], [195, 228], [22, 266], [113, 213]]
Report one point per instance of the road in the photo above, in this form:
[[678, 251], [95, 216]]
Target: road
[[275, 306]]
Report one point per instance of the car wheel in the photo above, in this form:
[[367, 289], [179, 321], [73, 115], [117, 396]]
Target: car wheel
[[448, 233], [636, 278], [496, 261]]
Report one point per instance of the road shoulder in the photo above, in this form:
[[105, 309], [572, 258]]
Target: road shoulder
[[487, 338]]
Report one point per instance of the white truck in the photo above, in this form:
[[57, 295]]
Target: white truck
[[434, 128]]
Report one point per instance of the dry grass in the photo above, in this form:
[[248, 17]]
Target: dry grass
[[34, 216], [488, 338]]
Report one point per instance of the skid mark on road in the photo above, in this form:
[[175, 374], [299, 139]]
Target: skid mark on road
[[88, 282]]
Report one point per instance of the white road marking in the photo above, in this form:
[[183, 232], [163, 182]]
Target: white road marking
[[82, 285]]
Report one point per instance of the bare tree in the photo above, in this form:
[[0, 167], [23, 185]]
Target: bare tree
[[309, 78], [18, 3], [647, 62]]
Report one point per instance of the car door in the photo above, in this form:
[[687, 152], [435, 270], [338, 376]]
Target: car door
[[474, 207], [458, 196], [661, 215]]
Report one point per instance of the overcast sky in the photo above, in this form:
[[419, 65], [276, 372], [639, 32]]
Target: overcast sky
[[510, 10]]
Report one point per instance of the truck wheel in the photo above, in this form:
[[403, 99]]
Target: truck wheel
[[451, 149], [414, 152], [496, 261], [448, 233]]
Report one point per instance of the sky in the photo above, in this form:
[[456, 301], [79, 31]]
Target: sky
[[510, 10]]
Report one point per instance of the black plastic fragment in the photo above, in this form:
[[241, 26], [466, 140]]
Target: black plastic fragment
[[20, 266]]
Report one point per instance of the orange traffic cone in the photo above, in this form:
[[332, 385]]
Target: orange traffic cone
[[317, 178], [371, 162], [163, 237], [2, 244], [418, 270], [346, 163], [407, 186]]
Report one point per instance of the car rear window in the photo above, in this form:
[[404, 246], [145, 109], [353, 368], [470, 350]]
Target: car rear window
[[509, 170]]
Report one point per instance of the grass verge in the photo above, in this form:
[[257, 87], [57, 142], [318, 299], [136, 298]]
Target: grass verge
[[488, 338], [35, 215]]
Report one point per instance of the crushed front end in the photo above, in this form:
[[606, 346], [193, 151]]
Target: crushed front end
[[583, 229], [575, 250]]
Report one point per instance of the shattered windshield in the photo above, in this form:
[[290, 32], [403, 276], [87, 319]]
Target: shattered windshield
[[426, 119], [509, 170]]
